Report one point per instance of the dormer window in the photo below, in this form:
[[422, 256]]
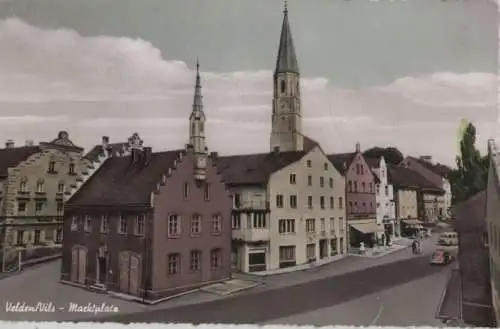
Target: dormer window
[[40, 186], [52, 166], [71, 168]]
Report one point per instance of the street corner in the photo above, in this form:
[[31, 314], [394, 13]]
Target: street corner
[[230, 287]]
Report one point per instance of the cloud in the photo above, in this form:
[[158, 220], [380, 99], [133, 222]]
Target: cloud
[[91, 86]]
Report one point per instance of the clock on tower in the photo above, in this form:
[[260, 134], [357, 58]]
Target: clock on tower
[[200, 167]]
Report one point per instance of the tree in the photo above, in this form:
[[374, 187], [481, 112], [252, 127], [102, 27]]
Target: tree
[[391, 154], [471, 174]]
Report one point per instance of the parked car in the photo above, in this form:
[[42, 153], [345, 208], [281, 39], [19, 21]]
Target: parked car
[[441, 257], [448, 239]]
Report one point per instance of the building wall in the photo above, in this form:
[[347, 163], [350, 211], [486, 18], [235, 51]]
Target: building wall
[[386, 207], [34, 169], [493, 220], [279, 184], [356, 197], [171, 201], [432, 203], [406, 204]]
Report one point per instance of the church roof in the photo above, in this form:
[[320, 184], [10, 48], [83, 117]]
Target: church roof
[[287, 60]]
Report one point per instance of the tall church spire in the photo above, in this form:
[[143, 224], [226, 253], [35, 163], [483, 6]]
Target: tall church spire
[[197, 118], [287, 60], [286, 132]]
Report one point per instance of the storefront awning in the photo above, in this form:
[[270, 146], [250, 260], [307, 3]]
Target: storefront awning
[[411, 221], [367, 228]]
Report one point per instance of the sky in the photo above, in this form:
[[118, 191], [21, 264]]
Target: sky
[[384, 73]]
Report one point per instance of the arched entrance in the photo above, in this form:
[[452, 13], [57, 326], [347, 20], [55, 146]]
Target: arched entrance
[[79, 264]]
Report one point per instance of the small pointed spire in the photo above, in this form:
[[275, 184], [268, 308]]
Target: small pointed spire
[[285, 11], [197, 102]]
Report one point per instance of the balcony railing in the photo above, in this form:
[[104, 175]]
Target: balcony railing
[[252, 205], [253, 234]]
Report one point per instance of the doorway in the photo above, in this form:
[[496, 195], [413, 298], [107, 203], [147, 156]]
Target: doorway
[[129, 273], [78, 264], [323, 248], [257, 261]]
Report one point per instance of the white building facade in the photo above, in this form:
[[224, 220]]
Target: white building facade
[[386, 205]]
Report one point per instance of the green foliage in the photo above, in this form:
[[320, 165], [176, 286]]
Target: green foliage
[[471, 174], [391, 154]]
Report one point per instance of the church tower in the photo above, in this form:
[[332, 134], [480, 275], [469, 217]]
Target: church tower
[[286, 132], [197, 121]]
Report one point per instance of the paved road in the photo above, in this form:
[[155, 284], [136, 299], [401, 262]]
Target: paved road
[[287, 301]]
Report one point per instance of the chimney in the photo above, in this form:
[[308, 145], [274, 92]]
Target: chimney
[[134, 155], [147, 155], [9, 144], [358, 147], [427, 158], [105, 141], [29, 143], [276, 150]]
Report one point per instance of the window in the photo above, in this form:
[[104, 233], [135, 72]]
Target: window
[[355, 186], [330, 182], [23, 186], [88, 224], [286, 226], [310, 225], [321, 182], [363, 209], [74, 223], [123, 227], [287, 253], [356, 209], [332, 224], [259, 220], [351, 210], [325, 166], [310, 251], [309, 164], [139, 224], [215, 258], [341, 203], [357, 169], [371, 206], [377, 188], [104, 224], [195, 260], [341, 223], [322, 223], [60, 187], [38, 207], [207, 192], [332, 202], [310, 202], [40, 186], [37, 237], [309, 180], [174, 262], [293, 201], [293, 179], [236, 221], [279, 201], [386, 188], [371, 188], [72, 168], [333, 247], [196, 224], [378, 204], [21, 207], [52, 166], [20, 237], [362, 169], [236, 200], [216, 224], [322, 202], [60, 206], [185, 191], [282, 86], [349, 189], [174, 226], [59, 233], [363, 187]]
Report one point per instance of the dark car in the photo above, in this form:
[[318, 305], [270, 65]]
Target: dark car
[[441, 257]]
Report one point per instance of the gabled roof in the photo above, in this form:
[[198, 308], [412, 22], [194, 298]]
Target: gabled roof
[[310, 143], [373, 162], [287, 60], [119, 181], [470, 215], [254, 168], [11, 157], [437, 168], [402, 177], [342, 161], [97, 150]]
